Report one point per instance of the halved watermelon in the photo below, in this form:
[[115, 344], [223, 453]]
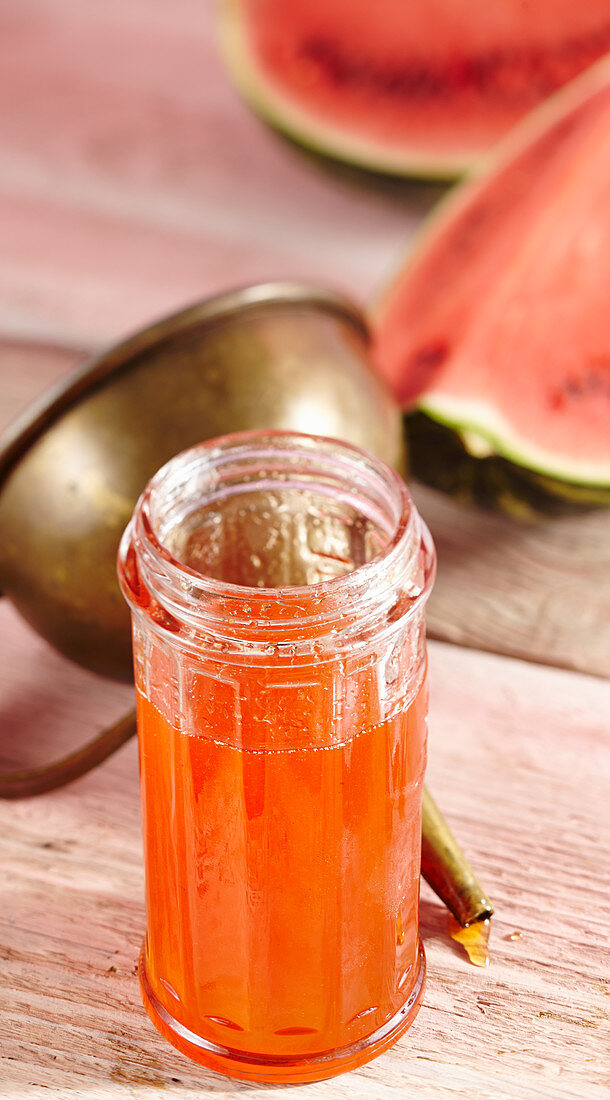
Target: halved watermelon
[[499, 326], [406, 86]]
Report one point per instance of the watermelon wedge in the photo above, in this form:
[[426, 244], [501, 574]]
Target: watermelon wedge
[[499, 325], [409, 87]]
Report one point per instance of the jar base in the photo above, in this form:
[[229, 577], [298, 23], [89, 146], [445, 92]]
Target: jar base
[[287, 1069]]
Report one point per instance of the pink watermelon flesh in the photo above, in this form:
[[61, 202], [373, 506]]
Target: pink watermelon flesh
[[501, 322], [434, 82]]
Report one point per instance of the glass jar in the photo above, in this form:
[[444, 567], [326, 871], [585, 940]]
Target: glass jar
[[277, 583]]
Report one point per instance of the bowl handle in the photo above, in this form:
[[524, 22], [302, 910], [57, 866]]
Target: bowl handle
[[31, 781]]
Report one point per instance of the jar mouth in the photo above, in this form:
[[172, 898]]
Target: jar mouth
[[350, 515]]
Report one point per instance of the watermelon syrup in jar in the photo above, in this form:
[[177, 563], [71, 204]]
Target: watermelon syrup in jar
[[277, 584]]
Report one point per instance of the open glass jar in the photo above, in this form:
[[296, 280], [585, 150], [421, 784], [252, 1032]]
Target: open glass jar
[[277, 583]]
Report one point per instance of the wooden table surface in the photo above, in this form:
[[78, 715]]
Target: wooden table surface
[[132, 181]]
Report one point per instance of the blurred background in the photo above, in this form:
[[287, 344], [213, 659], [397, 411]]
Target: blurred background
[[134, 180]]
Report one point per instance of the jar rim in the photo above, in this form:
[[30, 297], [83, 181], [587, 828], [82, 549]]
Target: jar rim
[[181, 588]]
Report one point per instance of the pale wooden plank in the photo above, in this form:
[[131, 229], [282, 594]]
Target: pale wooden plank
[[48, 706], [122, 195], [519, 760], [537, 589]]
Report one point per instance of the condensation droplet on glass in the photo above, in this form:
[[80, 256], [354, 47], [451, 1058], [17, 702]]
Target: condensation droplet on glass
[[391, 670]]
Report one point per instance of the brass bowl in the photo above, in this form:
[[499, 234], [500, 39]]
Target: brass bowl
[[279, 355]]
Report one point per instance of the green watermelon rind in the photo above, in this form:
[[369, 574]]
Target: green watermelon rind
[[441, 457], [519, 451], [272, 104], [444, 409]]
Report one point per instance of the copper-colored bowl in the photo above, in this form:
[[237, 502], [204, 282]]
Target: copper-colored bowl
[[279, 355]]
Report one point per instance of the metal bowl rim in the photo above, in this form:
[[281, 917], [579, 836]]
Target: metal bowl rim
[[44, 412]]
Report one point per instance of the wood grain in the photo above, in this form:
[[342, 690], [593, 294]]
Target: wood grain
[[517, 760], [132, 181], [539, 589]]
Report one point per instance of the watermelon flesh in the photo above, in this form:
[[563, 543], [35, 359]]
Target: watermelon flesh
[[407, 86], [500, 323]]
